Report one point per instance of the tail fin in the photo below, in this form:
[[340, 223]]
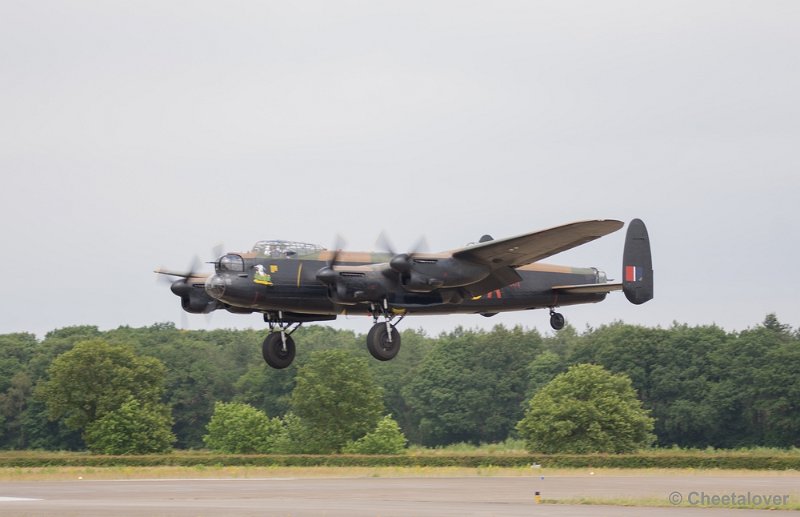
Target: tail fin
[[637, 264]]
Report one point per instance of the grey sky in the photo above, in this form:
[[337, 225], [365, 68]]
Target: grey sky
[[135, 135]]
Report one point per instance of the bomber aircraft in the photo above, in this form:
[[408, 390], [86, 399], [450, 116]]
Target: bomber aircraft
[[292, 283]]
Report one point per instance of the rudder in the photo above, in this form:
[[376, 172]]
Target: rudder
[[637, 264]]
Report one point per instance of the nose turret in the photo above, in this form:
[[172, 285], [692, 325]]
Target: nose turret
[[215, 286]]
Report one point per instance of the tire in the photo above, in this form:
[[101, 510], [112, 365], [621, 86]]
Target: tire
[[378, 342], [273, 352], [557, 321]]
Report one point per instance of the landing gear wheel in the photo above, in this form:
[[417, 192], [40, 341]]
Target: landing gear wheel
[[274, 353], [378, 342], [557, 320]]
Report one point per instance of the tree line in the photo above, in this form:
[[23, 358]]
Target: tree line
[[702, 385]]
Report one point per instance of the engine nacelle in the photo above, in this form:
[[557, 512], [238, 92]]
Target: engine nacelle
[[351, 288], [424, 275], [414, 282], [198, 302]]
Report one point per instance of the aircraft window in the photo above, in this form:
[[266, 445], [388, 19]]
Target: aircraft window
[[231, 263], [285, 249]]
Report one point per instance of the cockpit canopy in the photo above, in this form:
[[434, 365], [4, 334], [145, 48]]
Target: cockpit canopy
[[231, 262], [285, 249]]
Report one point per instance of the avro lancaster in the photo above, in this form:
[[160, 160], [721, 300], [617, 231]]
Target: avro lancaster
[[292, 283]]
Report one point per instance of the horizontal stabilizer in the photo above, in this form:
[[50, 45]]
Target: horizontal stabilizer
[[588, 288]]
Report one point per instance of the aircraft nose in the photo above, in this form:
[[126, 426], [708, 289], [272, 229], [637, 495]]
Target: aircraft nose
[[215, 286]]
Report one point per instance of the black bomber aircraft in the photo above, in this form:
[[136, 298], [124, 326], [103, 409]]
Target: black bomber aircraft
[[292, 283]]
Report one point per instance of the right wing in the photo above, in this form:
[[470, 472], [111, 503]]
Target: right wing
[[532, 247], [503, 256]]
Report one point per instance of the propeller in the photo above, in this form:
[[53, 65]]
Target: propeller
[[327, 274], [401, 262], [192, 272], [182, 287], [183, 275], [216, 252]]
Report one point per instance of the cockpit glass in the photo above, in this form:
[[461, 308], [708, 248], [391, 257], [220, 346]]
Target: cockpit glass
[[231, 263], [285, 249]]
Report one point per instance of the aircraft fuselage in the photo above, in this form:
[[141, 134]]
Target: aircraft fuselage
[[291, 285]]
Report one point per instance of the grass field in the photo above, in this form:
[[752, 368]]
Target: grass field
[[469, 457], [245, 472]]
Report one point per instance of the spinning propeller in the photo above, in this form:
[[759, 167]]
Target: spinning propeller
[[327, 274], [401, 262], [185, 287]]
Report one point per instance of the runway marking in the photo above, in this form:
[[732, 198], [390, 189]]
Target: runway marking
[[7, 499]]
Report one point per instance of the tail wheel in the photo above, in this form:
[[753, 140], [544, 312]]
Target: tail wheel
[[557, 320], [378, 342], [275, 353]]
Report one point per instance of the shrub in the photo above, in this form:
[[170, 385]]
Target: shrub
[[238, 428], [337, 398], [387, 438], [586, 409], [134, 428]]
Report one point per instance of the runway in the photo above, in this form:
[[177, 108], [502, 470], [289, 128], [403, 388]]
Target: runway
[[335, 497]]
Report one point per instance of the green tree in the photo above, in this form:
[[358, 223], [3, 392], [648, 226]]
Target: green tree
[[757, 387], [622, 348], [394, 375], [56, 343], [265, 388], [586, 409], [670, 370], [238, 428], [28, 425], [197, 375], [133, 428], [202, 367], [337, 397], [565, 341], [471, 385], [387, 438], [680, 381], [542, 370], [95, 378], [16, 351], [297, 438], [13, 411]]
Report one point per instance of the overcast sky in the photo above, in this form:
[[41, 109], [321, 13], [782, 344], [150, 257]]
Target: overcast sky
[[135, 135]]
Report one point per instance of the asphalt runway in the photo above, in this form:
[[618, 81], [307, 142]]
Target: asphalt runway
[[334, 497]]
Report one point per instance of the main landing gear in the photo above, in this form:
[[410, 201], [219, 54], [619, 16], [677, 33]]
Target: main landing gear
[[557, 320], [278, 347], [383, 339]]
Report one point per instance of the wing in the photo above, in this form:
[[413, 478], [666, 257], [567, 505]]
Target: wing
[[477, 269], [196, 279], [532, 247]]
